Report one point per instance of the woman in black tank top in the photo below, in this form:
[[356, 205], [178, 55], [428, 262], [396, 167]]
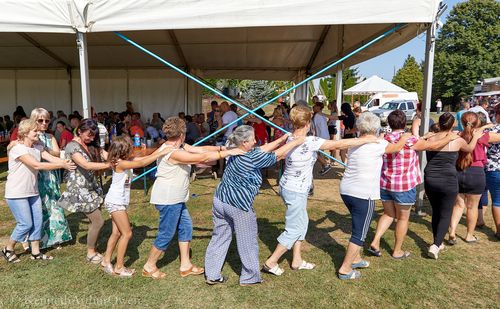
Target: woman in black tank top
[[440, 181]]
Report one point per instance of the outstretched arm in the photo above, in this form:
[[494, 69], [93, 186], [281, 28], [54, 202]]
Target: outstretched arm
[[348, 142]]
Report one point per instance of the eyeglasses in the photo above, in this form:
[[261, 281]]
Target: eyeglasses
[[40, 121]]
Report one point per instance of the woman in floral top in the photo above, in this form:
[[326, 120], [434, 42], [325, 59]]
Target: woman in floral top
[[83, 193], [493, 173]]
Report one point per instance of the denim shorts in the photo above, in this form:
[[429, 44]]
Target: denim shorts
[[493, 184], [406, 198]]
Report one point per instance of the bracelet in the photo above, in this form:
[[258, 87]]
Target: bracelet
[[220, 156]]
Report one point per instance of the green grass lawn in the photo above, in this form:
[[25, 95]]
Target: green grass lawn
[[465, 275]]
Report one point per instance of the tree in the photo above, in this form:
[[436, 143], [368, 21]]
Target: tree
[[467, 49], [410, 77], [327, 84]]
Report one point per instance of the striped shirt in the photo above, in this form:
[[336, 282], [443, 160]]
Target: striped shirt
[[242, 178], [400, 171]]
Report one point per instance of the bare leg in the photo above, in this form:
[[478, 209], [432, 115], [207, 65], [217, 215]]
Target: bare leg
[[351, 255], [403, 215], [480, 216], [297, 257], [458, 211], [384, 223], [35, 247], [495, 210], [113, 239], [120, 218], [184, 255], [274, 258], [153, 257], [11, 244], [471, 202]]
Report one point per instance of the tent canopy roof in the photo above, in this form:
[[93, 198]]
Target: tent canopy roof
[[281, 39], [372, 85]]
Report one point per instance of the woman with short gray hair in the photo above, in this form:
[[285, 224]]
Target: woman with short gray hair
[[233, 205], [360, 187]]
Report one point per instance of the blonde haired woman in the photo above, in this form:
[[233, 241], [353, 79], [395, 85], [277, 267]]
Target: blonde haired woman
[[55, 230], [294, 187], [21, 189]]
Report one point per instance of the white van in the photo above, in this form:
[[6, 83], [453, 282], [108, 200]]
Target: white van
[[380, 98]]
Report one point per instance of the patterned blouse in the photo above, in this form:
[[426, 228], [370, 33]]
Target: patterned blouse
[[493, 153], [400, 171]]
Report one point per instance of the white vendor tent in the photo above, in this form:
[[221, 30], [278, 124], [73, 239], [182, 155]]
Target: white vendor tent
[[280, 40], [373, 85]]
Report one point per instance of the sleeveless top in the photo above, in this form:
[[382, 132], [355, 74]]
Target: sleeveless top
[[441, 164], [119, 191], [172, 182]]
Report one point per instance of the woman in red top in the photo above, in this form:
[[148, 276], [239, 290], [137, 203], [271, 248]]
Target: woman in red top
[[471, 178], [260, 128]]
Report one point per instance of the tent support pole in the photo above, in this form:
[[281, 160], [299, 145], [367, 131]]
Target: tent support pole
[[248, 111], [430, 43], [338, 91], [81, 42]]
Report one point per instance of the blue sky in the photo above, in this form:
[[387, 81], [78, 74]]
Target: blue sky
[[386, 64]]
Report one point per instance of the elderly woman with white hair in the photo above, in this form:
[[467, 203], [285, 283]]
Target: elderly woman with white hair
[[21, 189], [360, 187], [233, 210]]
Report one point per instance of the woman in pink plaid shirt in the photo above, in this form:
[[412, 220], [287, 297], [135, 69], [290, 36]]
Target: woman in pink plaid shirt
[[399, 179]]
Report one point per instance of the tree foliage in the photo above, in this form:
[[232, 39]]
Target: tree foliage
[[467, 49], [327, 84], [410, 77]]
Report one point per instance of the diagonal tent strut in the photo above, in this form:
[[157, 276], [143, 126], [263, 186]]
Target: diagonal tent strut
[[387, 33]]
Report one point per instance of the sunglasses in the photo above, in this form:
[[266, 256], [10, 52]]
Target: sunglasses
[[40, 121]]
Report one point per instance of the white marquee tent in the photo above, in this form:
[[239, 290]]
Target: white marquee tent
[[373, 85], [252, 39]]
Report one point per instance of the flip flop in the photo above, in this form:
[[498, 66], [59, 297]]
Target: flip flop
[[374, 252], [191, 271], [405, 255], [452, 241], [360, 264], [352, 275], [475, 240], [95, 259], [154, 274], [276, 270], [125, 272], [305, 266], [221, 280]]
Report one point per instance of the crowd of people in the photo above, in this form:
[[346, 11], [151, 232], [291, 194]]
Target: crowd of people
[[462, 165]]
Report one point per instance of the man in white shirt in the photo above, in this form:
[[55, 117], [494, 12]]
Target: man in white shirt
[[482, 108], [320, 123], [228, 116]]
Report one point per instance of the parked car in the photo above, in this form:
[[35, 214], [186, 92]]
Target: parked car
[[379, 99], [407, 106]]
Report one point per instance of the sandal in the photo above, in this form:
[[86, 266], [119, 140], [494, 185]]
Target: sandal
[[155, 274], [360, 264], [125, 272], [353, 274], [221, 280], [473, 241], [405, 255], [374, 251], [452, 241], [41, 256], [305, 266], [108, 268], [95, 259], [194, 270], [10, 256], [276, 270]]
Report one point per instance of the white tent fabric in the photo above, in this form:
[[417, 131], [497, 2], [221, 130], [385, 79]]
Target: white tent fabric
[[372, 85], [253, 39]]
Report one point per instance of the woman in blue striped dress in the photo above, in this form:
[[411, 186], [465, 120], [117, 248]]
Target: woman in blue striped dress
[[233, 205]]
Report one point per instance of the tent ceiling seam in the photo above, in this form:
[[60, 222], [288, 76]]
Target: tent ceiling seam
[[44, 49], [178, 48], [317, 48]]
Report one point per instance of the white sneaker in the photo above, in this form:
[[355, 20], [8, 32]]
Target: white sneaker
[[433, 252]]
